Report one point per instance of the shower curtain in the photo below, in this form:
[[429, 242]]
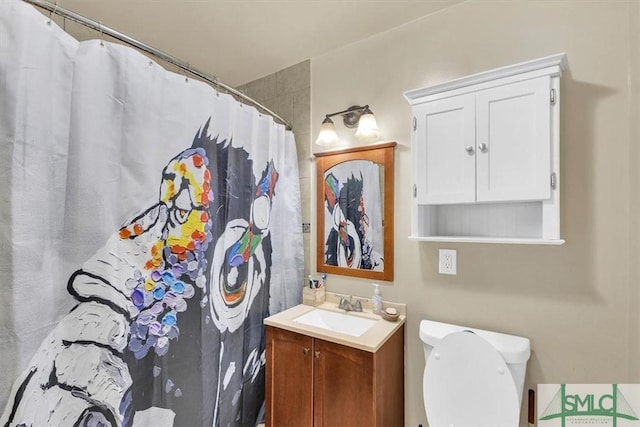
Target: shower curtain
[[148, 224]]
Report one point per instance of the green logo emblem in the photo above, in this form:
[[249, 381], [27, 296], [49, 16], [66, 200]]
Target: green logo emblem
[[587, 406]]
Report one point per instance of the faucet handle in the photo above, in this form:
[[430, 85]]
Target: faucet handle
[[358, 305], [343, 304]]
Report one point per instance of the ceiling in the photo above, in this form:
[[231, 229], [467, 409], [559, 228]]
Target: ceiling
[[241, 40]]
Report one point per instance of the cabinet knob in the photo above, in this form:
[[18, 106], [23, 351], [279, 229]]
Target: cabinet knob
[[317, 354], [306, 350], [482, 147], [469, 149]]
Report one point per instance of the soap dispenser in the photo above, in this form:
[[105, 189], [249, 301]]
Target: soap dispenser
[[376, 300]]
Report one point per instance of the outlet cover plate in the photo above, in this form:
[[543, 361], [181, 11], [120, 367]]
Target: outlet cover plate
[[448, 263]]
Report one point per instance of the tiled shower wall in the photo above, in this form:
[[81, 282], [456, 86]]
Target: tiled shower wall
[[288, 94]]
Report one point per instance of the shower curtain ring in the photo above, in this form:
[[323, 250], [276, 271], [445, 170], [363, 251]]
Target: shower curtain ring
[[216, 84], [55, 9], [101, 34], [186, 77]]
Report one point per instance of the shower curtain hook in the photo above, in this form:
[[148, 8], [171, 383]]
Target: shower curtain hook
[[52, 13], [186, 77], [215, 82], [101, 34]]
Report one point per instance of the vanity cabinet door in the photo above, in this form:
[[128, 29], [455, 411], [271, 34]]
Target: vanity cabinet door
[[513, 138], [289, 379], [343, 386]]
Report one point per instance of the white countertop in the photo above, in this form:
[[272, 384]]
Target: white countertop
[[371, 340]]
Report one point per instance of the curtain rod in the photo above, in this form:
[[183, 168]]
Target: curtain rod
[[97, 26]]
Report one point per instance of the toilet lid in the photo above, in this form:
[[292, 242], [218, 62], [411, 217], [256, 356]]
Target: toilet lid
[[467, 383]]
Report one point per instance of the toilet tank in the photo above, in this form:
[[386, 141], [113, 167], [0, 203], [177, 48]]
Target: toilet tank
[[514, 350]]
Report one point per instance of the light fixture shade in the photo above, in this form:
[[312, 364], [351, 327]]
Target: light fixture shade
[[327, 135], [367, 127]]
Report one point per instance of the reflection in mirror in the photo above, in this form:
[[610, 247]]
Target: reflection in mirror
[[355, 213]]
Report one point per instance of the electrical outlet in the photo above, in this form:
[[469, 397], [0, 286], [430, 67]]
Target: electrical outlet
[[448, 261]]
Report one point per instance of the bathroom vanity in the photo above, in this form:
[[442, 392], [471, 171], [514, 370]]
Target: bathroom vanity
[[317, 376]]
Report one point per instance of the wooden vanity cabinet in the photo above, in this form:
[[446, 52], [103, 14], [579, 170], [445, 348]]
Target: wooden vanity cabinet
[[311, 382]]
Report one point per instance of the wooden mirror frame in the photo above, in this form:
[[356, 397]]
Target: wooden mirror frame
[[382, 154]]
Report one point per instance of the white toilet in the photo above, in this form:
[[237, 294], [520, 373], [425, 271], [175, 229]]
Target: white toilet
[[472, 378]]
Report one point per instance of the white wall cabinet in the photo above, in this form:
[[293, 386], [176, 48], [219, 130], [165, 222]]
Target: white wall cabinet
[[486, 163]]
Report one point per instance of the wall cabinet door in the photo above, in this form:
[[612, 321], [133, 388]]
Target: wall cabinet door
[[446, 170], [513, 134]]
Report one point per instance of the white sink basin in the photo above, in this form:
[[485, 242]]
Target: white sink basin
[[336, 322]]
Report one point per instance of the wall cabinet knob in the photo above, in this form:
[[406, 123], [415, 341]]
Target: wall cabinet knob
[[306, 350], [317, 354], [469, 149], [482, 147]]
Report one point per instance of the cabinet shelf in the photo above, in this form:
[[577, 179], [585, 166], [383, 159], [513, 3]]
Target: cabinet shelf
[[470, 239]]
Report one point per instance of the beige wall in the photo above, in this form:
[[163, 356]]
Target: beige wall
[[578, 302], [634, 196]]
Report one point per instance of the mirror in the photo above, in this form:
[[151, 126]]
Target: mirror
[[354, 190]]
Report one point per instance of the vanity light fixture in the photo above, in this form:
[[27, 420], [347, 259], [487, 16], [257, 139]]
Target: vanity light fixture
[[362, 117]]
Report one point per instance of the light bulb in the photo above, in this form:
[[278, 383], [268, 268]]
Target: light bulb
[[367, 127], [327, 135]]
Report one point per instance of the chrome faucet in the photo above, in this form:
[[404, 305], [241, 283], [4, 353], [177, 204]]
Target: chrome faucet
[[348, 305]]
